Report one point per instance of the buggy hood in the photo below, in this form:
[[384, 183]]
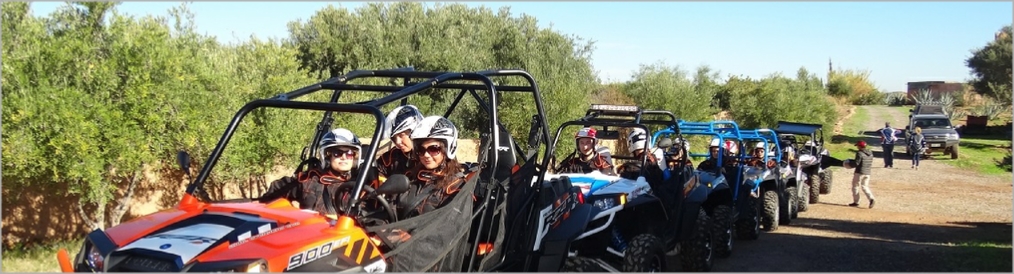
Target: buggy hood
[[217, 237]]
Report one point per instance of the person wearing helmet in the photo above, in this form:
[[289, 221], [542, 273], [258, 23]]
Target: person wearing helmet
[[438, 175], [399, 159], [757, 156], [861, 178], [588, 158], [339, 152], [714, 149], [788, 152], [678, 152], [637, 141]]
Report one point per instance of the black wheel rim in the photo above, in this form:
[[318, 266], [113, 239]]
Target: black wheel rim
[[656, 264], [728, 239], [708, 249]]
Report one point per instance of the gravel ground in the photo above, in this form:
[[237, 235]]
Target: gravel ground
[[925, 220]]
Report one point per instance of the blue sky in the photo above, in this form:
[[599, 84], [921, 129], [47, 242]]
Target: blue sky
[[898, 42]]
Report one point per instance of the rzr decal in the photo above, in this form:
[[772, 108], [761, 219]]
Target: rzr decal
[[261, 234], [315, 253], [560, 209]]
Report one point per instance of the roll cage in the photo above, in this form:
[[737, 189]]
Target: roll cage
[[814, 131], [768, 137], [718, 129], [412, 83], [621, 116]]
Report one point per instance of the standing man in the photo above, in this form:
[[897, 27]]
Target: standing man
[[861, 179], [887, 139]]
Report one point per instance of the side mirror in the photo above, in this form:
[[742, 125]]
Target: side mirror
[[183, 159], [397, 184]]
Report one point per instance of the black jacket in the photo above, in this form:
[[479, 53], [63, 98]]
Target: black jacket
[[394, 162], [576, 165], [424, 195], [310, 191]]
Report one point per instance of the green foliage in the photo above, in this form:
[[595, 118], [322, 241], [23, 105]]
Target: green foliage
[[855, 86], [991, 67], [109, 94], [873, 98], [896, 99], [1005, 163], [762, 103], [991, 108], [659, 86], [451, 37], [839, 87]]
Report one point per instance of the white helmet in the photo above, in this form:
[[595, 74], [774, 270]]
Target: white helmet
[[759, 145], [438, 127], [808, 143], [402, 118], [637, 139], [715, 142], [339, 137]]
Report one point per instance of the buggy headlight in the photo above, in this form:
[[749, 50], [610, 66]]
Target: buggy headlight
[[257, 267], [610, 201], [94, 258]]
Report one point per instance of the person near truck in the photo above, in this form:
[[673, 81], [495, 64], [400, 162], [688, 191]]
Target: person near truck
[[887, 139], [916, 145], [863, 163]]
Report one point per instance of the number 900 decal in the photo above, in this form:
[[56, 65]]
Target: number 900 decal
[[315, 253]]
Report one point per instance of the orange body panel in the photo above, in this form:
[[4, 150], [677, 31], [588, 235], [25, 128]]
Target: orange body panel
[[298, 232]]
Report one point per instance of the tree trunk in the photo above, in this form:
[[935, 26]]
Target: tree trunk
[[123, 203], [96, 220]]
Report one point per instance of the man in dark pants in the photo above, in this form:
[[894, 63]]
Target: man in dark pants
[[887, 138]]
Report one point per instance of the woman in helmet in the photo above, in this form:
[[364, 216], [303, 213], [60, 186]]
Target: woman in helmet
[[399, 159], [588, 158], [339, 154], [757, 156], [437, 176]]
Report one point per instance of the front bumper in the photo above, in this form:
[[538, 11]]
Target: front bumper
[[940, 143]]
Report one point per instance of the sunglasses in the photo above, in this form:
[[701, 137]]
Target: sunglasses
[[433, 150], [348, 153]]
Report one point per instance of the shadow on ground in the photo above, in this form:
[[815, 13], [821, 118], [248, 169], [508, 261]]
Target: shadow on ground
[[894, 247]]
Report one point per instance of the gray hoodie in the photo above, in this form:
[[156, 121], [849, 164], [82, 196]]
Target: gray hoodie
[[864, 161]]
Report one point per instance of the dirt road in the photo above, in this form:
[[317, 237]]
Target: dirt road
[[939, 218]]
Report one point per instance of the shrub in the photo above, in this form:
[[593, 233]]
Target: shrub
[[872, 98]]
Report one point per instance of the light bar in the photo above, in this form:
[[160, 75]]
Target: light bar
[[601, 107]]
